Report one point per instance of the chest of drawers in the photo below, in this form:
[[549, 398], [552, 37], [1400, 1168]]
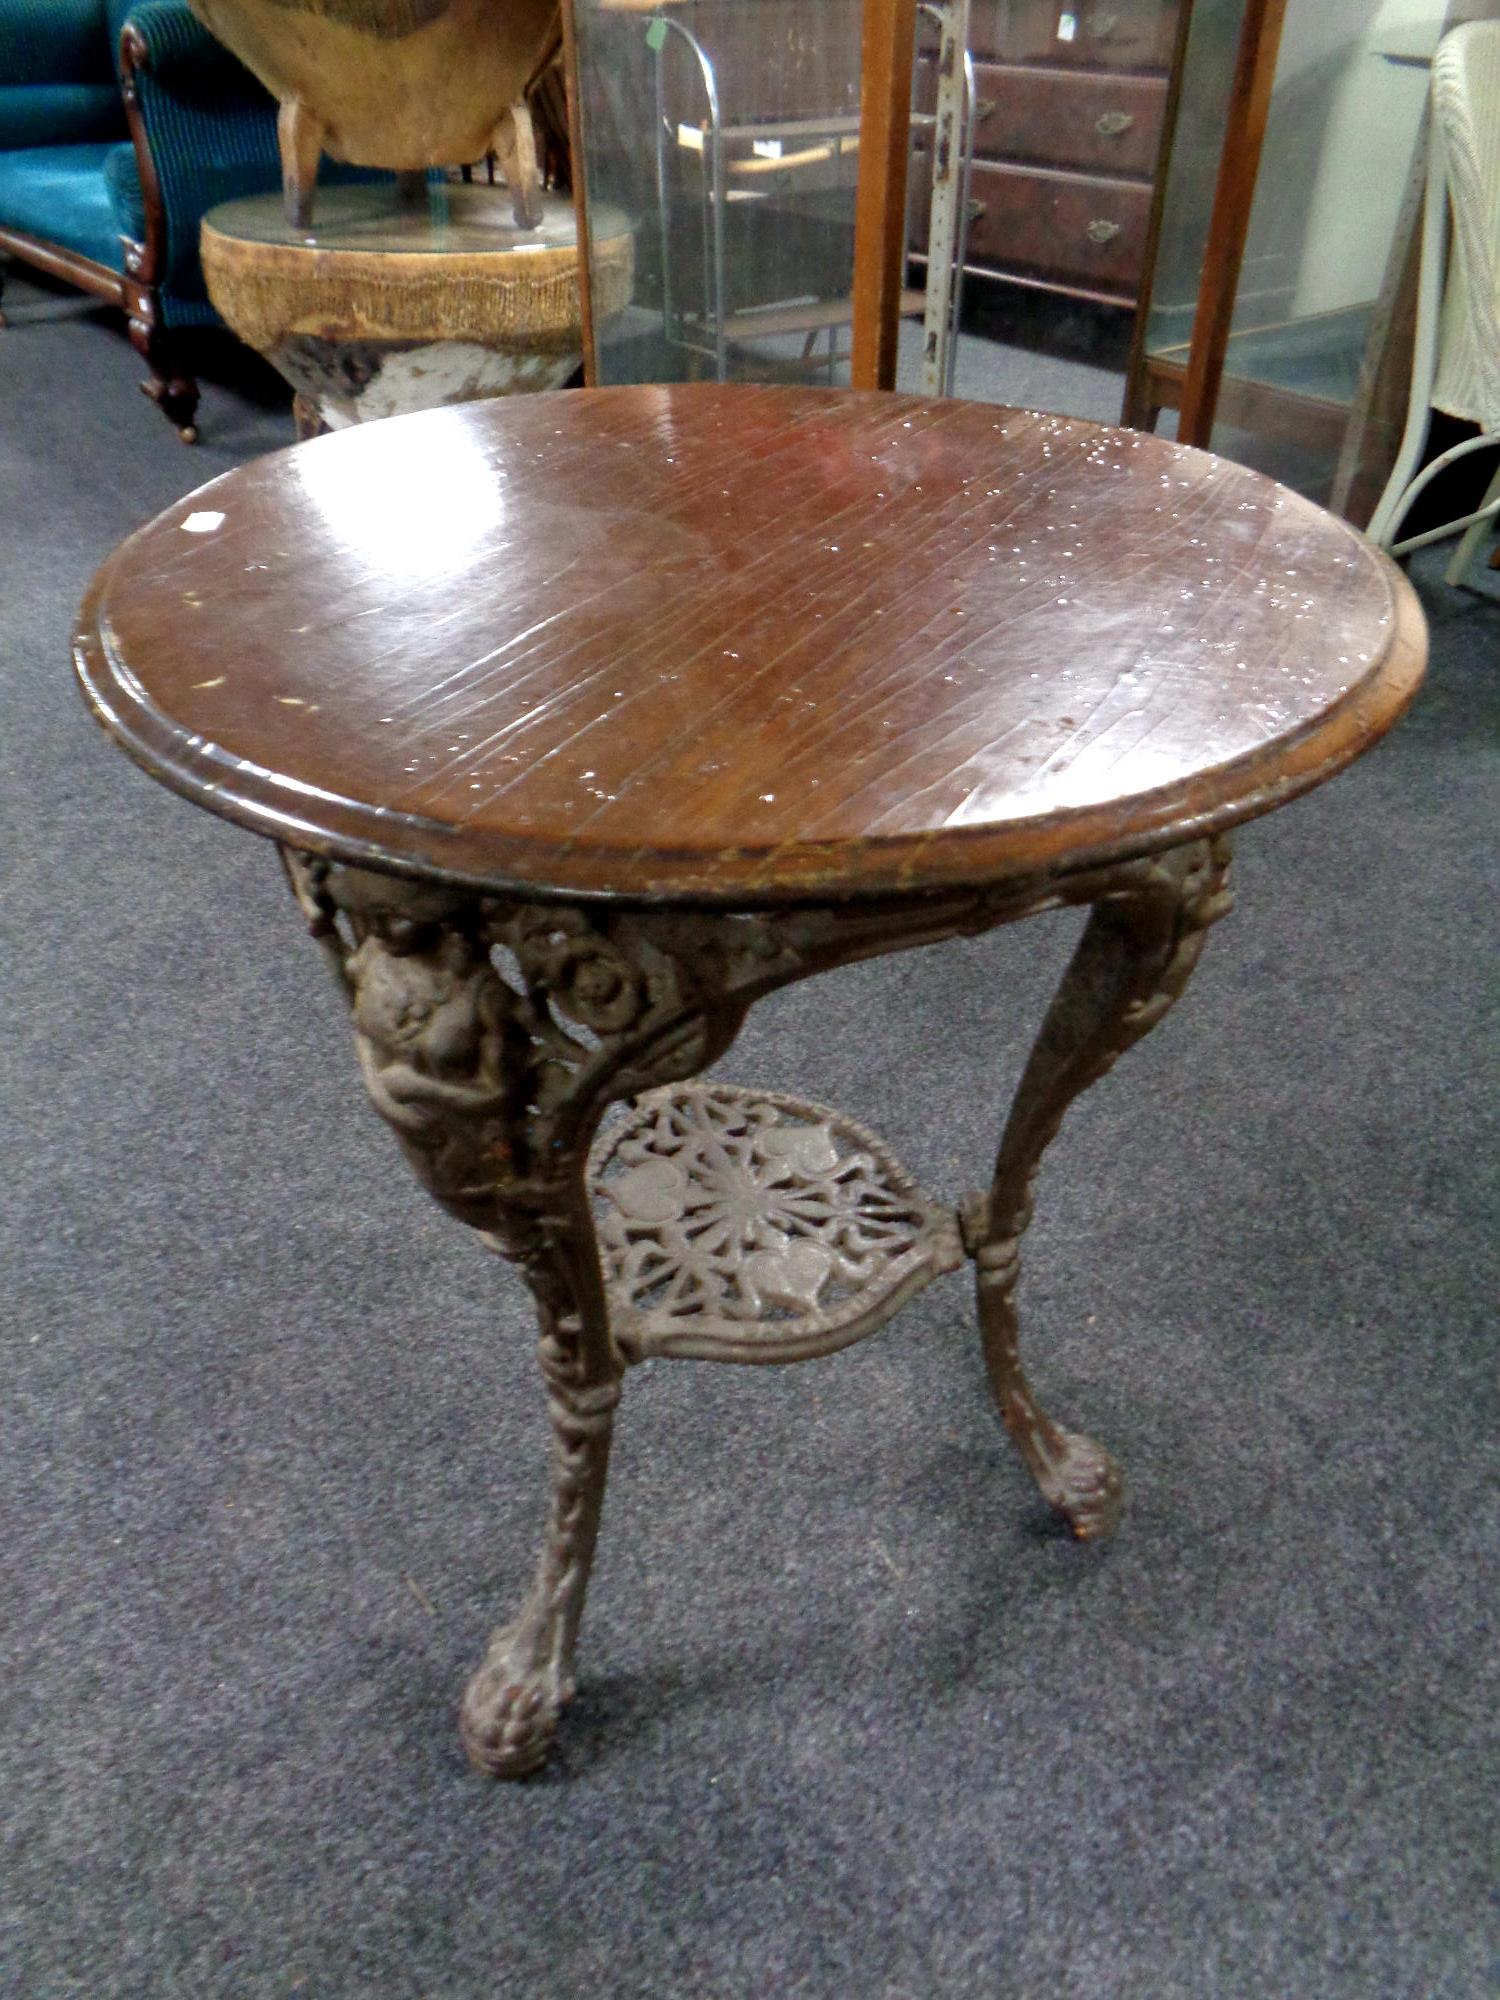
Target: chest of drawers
[[1070, 102]]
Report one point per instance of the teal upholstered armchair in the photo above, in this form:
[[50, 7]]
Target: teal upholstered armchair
[[120, 124]]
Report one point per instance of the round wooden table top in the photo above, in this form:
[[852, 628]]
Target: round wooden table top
[[743, 645]]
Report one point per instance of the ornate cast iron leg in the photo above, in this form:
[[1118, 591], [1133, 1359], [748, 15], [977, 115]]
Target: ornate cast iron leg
[[495, 1097], [1143, 938], [460, 1064], [513, 1703]]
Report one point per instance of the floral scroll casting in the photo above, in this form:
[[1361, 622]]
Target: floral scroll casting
[[751, 1227]]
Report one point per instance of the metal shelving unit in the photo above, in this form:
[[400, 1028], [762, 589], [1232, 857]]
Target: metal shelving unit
[[733, 157]]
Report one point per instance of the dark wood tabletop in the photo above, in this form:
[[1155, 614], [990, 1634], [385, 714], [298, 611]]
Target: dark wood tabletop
[[743, 645]]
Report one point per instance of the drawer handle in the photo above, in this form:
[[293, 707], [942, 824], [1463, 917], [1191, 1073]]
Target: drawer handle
[[1113, 123], [1102, 26], [1100, 231], [978, 209]]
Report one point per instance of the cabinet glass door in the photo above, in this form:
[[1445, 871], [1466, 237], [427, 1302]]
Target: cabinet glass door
[[721, 137], [1316, 296], [1069, 101]]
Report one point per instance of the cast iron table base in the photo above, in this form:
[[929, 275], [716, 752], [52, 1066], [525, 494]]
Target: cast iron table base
[[719, 1224]]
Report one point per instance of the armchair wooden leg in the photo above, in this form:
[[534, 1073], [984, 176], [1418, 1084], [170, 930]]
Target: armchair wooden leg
[[308, 419], [299, 137], [175, 395], [514, 144]]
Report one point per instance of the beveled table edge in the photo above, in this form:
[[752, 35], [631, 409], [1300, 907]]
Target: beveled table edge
[[285, 809]]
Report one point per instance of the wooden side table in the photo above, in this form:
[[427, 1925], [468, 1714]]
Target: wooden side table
[[584, 721], [390, 305]]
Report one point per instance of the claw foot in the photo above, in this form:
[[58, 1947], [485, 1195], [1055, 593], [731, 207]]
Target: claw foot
[[511, 1709], [1085, 1486]]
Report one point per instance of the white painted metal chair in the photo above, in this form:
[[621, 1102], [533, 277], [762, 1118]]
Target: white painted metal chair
[[1456, 363]]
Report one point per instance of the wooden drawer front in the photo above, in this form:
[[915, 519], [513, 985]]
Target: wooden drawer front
[[1103, 124], [1113, 34], [1064, 227]]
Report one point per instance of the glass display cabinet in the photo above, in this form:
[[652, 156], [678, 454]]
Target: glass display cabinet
[[1318, 297], [728, 132]]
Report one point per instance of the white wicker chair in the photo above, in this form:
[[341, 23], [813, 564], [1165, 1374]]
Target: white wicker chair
[[1456, 363]]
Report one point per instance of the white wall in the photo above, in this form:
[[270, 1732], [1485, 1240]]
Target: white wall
[[1373, 115]]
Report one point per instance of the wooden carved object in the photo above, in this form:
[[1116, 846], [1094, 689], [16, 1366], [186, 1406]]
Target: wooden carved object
[[405, 84]]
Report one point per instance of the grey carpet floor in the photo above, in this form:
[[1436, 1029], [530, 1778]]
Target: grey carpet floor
[[853, 1719]]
